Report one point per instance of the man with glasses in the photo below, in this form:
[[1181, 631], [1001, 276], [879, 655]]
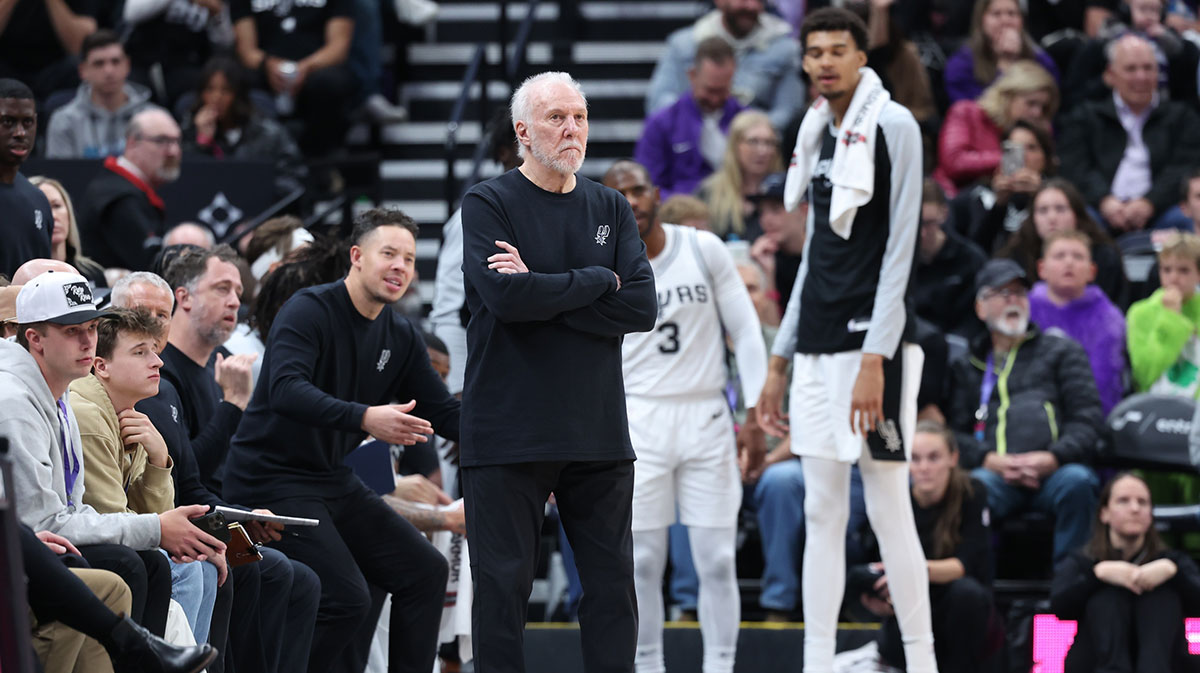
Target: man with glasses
[[1026, 413], [123, 219]]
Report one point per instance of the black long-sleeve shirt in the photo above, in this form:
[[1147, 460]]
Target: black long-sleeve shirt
[[1075, 581], [208, 420], [165, 411], [543, 376], [326, 363]]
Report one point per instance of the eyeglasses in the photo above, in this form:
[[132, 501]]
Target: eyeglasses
[[1005, 293], [163, 141], [759, 143]]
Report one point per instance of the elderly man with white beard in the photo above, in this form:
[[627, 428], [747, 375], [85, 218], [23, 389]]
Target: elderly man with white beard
[[1026, 413]]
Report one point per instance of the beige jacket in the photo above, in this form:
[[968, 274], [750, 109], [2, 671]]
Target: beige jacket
[[119, 478]]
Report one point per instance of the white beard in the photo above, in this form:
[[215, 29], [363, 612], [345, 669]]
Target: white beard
[[556, 164], [1002, 324]]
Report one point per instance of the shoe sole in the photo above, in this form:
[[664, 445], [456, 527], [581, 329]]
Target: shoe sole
[[212, 656]]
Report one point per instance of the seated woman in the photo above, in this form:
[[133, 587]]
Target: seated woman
[[751, 154], [950, 511], [64, 240], [970, 146], [996, 41], [1058, 206], [223, 123], [1128, 592]]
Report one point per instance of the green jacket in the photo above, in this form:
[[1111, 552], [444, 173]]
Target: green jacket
[[1156, 336]]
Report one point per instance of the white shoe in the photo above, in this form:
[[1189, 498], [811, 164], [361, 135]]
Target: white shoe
[[416, 12], [382, 111]]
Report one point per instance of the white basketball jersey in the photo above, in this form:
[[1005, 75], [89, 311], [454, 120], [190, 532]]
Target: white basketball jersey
[[685, 353]]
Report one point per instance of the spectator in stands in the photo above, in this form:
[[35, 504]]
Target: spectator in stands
[[272, 597], [768, 60], [685, 210], [1057, 206], [1025, 411], [970, 146], [684, 142], [896, 59], [74, 597], [751, 154], [1176, 57], [299, 51], [125, 460], [1067, 301], [1127, 154], [952, 521], [997, 40], [190, 233], [64, 240], [1164, 349], [944, 280], [989, 214], [55, 345], [779, 248], [1128, 591], [93, 124], [1189, 202], [766, 308], [124, 218], [40, 40], [223, 123], [177, 37], [26, 227], [8, 310], [213, 387]]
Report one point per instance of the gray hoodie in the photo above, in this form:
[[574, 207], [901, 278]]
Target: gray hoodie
[[83, 130], [30, 422]]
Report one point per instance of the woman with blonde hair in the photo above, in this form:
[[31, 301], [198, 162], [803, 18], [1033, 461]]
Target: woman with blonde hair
[[970, 145], [64, 240], [751, 154]]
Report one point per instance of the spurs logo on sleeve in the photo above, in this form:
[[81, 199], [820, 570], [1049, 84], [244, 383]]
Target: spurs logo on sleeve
[[891, 436], [37, 219], [602, 234]]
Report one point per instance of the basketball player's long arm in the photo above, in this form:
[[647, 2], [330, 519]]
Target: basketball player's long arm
[[771, 414], [521, 297], [738, 316], [634, 307], [903, 139]]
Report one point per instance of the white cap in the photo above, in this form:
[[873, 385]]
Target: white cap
[[58, 297]]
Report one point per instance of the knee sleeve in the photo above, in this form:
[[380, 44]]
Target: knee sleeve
[[649, 563]]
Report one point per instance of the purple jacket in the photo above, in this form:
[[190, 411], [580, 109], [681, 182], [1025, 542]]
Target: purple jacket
[[670, 145], [1096, 324], [960, 74]]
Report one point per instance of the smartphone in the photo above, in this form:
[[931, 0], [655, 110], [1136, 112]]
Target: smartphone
[[1013, 159]]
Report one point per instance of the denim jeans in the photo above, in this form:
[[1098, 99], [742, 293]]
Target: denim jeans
[[779, 503], [194, 587], [1069, 495]]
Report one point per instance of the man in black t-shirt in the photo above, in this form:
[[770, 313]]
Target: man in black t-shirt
[[299, 50], [178, 36], [26, 224], [39, 40]]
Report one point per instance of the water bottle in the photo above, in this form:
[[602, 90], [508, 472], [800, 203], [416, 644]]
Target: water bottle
[[285, 103]]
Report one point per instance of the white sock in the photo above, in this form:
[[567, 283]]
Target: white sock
[[649, 563], [826, 514], [714, 552]]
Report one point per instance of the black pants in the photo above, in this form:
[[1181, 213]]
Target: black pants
[[148, 575], [322, 108], [55, 593], [962, 615], [362, 540], [505, 506], [1123, 633]]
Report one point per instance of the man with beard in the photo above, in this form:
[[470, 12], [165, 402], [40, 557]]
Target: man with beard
[[123, 219], [1026, 413], [337, 359], [680, 422], [555, 276], [214, 390], [27, 224]]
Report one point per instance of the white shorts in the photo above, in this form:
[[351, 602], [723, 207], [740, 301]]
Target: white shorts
[[686, 455], [822, 386]]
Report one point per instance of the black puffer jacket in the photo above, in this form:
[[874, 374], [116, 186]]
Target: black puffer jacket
[[1045, 399]]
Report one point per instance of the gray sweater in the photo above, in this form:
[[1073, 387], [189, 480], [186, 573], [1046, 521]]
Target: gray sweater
[[83, 130], [30, 421]]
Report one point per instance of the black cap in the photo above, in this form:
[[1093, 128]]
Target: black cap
[[998, 273], [771, 188]]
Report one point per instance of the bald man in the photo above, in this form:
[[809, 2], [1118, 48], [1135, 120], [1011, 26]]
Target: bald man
[[191, 234], [123, 218], [36, 267], [1128, 152]]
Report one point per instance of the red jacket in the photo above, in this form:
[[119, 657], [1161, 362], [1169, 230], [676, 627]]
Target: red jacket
[[968, 147]]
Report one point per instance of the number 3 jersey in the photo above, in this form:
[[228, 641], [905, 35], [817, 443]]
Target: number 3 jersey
[[701, 298]]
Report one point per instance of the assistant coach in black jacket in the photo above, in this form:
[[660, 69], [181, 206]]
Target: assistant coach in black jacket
[[337, 358], [555, 274]]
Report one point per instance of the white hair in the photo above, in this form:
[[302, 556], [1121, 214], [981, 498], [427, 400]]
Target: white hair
[[522, 98], [757, 269], [119, 296]]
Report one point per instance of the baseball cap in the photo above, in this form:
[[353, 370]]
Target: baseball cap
[[57, 297], [770, 188], [999, 272]]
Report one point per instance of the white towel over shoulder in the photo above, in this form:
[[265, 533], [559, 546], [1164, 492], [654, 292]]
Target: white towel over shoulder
[[853, 170]]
